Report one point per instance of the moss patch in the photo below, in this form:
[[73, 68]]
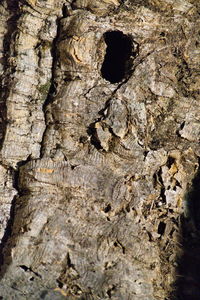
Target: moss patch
[[44, 89]]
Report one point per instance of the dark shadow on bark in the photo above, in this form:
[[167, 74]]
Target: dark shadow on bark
[[187, 285], [14, 222], [12, 232], [5, 252]]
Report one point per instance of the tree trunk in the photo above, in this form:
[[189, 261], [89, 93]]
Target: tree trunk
[[99, 149]]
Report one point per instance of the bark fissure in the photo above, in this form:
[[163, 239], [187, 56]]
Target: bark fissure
[[52, 90]]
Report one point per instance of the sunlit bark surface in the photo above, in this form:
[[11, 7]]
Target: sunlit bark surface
[[99, 161]]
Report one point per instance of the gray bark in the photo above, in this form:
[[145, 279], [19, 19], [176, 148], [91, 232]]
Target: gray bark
[[99, 147]]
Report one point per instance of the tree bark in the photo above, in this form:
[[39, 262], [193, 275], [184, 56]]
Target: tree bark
[[99, 149]]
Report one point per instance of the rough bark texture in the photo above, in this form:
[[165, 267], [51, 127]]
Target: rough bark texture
[[99, 147]]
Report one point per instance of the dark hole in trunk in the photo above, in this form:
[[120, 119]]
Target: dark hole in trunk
[[107, 208], [117, 62], [161, 228]]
